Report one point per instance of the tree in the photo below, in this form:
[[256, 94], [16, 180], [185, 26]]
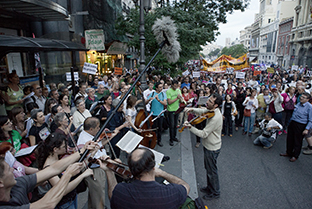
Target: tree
[[214, 52], [235, 51], [197, 23]]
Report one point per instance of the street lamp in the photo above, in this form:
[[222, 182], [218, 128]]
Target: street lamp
[[145, 5]]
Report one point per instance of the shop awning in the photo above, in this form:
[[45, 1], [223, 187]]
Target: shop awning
[[24, 44], [41, 9]]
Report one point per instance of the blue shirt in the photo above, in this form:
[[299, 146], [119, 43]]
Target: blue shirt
[[157, 107], [303, 114]]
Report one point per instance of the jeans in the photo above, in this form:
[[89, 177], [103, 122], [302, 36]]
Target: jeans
[[265, 141], [227, 125], [251, 121], [210, 160], [158, 123], [239, 116], [69, 205], [173, 122], [278, 117]]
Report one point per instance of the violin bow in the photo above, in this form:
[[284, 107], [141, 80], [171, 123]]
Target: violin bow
[[110, 145]]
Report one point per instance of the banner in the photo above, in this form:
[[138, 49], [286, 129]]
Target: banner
[[89, 68], [225, 64], [196, 74], [95, 40]]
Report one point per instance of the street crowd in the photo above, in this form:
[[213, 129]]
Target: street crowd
[[61, 126]]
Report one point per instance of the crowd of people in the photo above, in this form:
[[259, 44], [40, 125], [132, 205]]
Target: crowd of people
[[57, 123]]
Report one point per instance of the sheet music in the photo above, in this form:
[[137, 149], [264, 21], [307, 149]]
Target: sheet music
[[129, 141], [158, 155], [25, 151], [202, 100]]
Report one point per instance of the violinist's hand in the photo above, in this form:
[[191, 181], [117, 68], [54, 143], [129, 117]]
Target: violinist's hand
[[102, 162], [74, 169], [90, 145], [115, 132], [88, 172], [187, 124], [139, 130]]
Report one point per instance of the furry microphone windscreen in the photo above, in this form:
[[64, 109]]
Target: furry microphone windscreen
[[164, 29]]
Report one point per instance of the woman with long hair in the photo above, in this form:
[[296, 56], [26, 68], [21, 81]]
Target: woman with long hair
[[251, 104], [14, 94], [228, 109], [275, 106], [7, 134], [17, 117], [39, 131], [64, 102], [131, 111], [49, 152], [102, 111], [288, 105]]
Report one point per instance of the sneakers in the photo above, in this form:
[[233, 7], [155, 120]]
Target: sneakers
[[305, 148], [256, 130], [268, 146], [222, 134], [197, 144], [205, 190], [285, 132], [176, 140], [171, 143], [244, 132], [230, 135], [210, 197], [307, 151], [160, 143]]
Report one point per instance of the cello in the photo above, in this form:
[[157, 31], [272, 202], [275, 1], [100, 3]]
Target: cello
[[149, 136]]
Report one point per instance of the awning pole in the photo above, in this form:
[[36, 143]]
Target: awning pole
[[72, 73], [40, 77]]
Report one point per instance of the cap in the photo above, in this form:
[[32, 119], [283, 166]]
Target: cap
[[34, 112]]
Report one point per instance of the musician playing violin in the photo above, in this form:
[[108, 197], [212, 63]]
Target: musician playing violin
[[96, 187], [144, 192], [158, 100], [211, 140]]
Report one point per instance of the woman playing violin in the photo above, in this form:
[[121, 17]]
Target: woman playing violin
[[211, 140]]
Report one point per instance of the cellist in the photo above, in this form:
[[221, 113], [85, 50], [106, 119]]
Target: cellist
[[131, 112], [158, 100]]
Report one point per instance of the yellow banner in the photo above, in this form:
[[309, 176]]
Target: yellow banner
[[226, 64]]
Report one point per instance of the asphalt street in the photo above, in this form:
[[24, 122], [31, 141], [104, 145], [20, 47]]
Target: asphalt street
[[250, 176], [253, 177]]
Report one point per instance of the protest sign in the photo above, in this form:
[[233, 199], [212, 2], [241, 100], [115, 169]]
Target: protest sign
[[196, 74], [95, 39], [256, 72], [294, 67], [68, 76], [270, 70], [118, 71], [89, 68], [185, 73], [240, 75]]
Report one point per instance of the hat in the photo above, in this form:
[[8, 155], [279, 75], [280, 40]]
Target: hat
[[115, 102], [34, 112]]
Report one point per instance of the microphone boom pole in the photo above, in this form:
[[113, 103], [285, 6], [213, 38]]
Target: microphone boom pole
[[86, 152]]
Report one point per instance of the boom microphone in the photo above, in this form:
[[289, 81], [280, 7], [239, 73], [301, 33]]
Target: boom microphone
[[164, 30]]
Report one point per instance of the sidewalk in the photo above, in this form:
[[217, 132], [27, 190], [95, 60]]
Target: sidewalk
[[181, 164]]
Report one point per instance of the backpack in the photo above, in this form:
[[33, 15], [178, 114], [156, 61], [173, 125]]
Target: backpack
[[193, 204], [290, 105]]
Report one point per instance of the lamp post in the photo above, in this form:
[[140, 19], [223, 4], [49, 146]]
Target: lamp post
[[145, 5]]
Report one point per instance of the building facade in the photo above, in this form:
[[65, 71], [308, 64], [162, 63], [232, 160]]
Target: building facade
[[301, 34], [283, 45], [244, 36]]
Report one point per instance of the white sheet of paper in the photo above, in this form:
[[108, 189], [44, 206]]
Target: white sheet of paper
[[202, 100], [158, 156], [129, 141], [25, 151]]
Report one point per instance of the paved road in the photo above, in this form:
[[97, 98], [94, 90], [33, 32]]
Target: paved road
[[253, 177]]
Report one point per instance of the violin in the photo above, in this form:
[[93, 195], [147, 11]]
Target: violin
[[117, 168], [149, 135], [199, 119]]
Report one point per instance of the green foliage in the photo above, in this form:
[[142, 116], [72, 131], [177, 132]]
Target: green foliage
[[197, 24], [235, 51], [214, 52]]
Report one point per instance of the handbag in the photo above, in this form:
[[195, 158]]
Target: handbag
[[247, 112]]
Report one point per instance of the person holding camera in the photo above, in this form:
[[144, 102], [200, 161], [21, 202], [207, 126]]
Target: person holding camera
[[270, 128]]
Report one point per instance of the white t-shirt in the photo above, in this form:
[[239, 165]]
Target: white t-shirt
[[132, 113], [146, 94], [84, 137]]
